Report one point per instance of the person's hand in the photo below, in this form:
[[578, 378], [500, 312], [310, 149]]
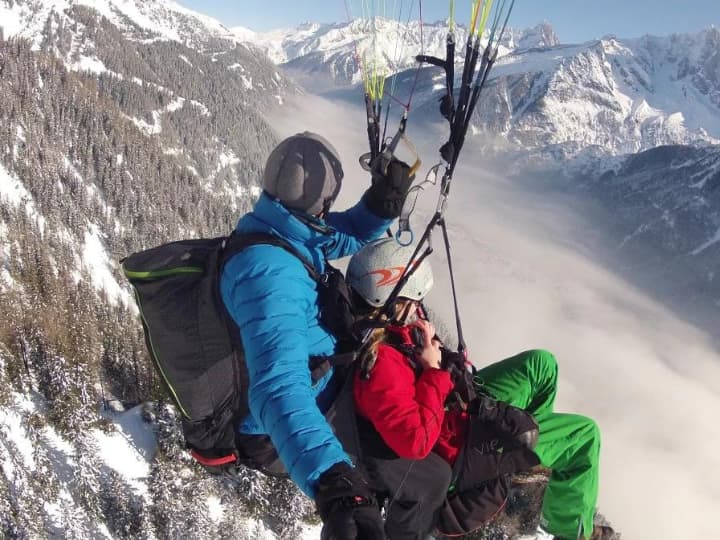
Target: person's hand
[[462, 373], [347, 506], [428, 352], [390, 183]]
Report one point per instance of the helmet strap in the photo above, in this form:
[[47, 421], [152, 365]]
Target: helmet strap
[[313, 223]]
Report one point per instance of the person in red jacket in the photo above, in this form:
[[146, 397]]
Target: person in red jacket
[[400, 408], [410, 436], [409, 443]]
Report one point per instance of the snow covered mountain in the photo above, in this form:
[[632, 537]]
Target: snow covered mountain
[[666, 208], [59, 26], [141, 19], [332, 50], [609, 96], [123, 124], [153, 60]]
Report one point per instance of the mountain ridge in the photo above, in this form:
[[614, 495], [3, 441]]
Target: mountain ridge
[[336, 45], [618, 96]]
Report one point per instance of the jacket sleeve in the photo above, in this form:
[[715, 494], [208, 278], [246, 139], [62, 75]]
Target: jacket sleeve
[[407, 413], [269, 302], [354, 228]]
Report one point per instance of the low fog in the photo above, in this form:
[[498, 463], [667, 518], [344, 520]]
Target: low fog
[[532, 273]]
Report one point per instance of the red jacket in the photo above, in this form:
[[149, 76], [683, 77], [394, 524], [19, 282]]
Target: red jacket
[[408, 410]]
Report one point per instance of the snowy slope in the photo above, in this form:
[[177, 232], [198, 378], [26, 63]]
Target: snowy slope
[[112, 464], [666, 205], [105, 480], [615, 97], [48, 476], [126, 124], [159, 19]]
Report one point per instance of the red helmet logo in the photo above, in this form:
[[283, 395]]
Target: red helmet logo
[[388, 276]]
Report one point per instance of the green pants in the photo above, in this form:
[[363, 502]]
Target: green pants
[[568, 443]]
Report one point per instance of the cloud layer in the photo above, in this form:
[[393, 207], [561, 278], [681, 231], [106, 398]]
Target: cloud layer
[[532, 274]]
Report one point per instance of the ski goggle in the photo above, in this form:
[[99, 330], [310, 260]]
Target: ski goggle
[[407, 310]]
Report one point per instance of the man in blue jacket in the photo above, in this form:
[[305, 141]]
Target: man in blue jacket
[[274, 301]]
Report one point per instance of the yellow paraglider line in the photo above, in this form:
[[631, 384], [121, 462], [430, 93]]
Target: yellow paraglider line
[[369, 63], [484, 17], [474, 15], [375, 68]]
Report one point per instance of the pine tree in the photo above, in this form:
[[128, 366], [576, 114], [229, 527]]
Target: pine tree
[[61, 134]]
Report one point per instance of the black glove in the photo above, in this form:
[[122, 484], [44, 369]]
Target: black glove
[[453, 360], [462, 377], [347, 506], [514, 423], [390, 184]]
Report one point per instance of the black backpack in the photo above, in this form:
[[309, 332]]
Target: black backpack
[[195, 345], [481, 473]]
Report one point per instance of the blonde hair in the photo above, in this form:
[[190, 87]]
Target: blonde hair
[[369, 352]]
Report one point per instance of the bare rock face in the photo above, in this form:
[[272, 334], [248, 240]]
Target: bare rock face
[[521, 515], [542, 36]]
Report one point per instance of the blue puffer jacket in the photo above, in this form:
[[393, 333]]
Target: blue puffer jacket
[[274, 301]]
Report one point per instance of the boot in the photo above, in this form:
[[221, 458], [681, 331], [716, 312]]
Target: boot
[[600, 532], [603, 532]]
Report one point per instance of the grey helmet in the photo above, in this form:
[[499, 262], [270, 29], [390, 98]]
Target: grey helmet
[[374, 271], [304, 173]]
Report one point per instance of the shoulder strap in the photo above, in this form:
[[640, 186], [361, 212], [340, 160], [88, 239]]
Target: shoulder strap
[[320, 365], [237, 242]]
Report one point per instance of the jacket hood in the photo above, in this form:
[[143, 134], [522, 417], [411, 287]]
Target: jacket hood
[[270, 216]]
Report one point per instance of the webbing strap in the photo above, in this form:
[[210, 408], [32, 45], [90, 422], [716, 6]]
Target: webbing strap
[[213, 462], [320, 365]]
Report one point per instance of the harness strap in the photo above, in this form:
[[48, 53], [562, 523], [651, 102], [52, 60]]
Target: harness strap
[[229, 459], [237, 242], [320, 365]]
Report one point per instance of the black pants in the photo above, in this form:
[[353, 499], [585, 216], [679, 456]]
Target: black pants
[[414, 491]]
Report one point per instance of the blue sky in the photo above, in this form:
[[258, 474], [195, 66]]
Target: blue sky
[[574, 20]]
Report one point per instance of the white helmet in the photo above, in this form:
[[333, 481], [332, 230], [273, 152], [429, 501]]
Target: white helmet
[[374, 271]]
